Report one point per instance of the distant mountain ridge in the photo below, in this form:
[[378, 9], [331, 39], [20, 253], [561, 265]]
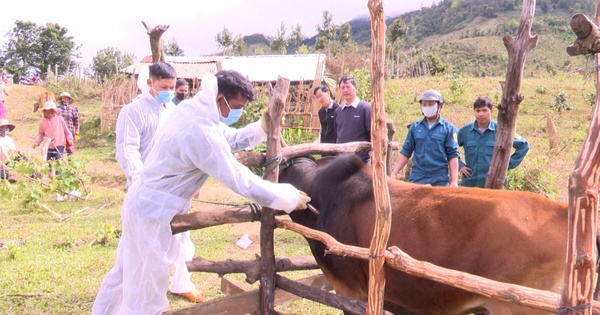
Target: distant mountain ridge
[[465, 36]]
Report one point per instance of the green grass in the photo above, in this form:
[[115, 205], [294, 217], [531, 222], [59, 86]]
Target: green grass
[[61, 264]]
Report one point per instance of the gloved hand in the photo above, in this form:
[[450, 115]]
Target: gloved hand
[[303, 199], [263, 121]]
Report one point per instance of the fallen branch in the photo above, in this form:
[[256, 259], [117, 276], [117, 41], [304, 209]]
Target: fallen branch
[[74, 213], [251, 268], [28, 295], [397, 259], [50, 210], [47, 185]]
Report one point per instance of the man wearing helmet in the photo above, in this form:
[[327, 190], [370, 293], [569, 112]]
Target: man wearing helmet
[[433, 142]]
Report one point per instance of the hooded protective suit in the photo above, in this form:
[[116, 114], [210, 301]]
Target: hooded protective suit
[[191, 146], [135, 128]]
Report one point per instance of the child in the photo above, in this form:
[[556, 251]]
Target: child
[[53, 126]]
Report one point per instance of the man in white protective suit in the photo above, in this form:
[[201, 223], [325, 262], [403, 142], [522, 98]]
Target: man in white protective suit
[[136, 125], [193, 144]]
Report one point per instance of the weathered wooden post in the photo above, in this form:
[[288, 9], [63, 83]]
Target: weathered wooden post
[[156, 44], [583, 191], [518, 47], [379, 141], [267, 226]]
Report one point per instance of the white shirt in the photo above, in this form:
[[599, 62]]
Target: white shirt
[[136, 126], [193, 145], [7, 148]]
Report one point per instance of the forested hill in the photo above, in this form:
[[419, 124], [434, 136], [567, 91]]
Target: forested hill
[[465, 36]]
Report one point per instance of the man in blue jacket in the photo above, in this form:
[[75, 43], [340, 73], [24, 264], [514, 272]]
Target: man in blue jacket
[[478, 138], [433, 142]]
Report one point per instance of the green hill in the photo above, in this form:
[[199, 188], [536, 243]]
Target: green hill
[[466, 35]]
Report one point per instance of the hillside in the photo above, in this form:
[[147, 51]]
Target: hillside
[[465, 37]]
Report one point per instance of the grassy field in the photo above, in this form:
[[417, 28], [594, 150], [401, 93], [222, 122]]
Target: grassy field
[[52, 266]]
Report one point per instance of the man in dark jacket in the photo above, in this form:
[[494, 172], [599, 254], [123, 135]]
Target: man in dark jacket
[[326, 114], [353, 117]]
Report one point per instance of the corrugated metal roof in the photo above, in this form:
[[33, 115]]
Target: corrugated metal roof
[[268, 67], [260, 68], [186, 59], [184, 70]]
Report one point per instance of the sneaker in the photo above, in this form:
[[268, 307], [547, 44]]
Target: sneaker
[[11, 178], [194, 296]]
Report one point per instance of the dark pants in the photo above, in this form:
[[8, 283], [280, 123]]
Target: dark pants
[[55, 154]]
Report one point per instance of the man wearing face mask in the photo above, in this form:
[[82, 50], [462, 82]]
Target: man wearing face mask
[[137, 124], [194, 143], [181, 91], [138, 121], [433, 140]]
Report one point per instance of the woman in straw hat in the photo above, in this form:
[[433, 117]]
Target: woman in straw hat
[[53, 126], [7, 149], [70, 115]]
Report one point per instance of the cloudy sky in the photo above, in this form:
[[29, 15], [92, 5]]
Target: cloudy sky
[[193, 23]]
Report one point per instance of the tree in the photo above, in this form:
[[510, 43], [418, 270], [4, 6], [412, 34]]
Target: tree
[[279, 42], [109, 61], [173, 49], [225, 39], [239, 46], [296, 37], [326, 32], [40, 46], [395, 32]]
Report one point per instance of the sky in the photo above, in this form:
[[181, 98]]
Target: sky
[[193, 24]]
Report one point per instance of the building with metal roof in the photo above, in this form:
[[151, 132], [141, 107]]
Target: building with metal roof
[[260, 68]]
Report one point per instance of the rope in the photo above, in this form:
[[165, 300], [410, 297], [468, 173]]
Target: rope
[[216, 203], [270, 165], [255, 209], [576, 309]]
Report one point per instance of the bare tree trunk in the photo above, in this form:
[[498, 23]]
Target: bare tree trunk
[[379, 134], [267, 251], [580, 272], [517, 48], [156, 44]]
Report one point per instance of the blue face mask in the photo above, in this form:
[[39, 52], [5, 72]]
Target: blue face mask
[[163, 97], [234, 115]]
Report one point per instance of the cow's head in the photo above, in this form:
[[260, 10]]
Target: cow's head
[[331, 182]]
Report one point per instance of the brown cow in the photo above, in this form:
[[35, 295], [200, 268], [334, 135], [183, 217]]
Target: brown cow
[[43, 98], [509, 236]]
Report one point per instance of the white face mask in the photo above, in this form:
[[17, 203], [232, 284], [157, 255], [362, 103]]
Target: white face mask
[[430, 111]]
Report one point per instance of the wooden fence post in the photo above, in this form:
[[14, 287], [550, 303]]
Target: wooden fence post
[[267, 226], [379, 139], [518, 47], [580, 270]]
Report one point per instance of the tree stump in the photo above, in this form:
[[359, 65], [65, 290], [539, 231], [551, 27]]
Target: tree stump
[[588, 37]]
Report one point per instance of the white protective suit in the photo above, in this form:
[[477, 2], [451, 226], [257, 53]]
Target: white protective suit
[[136, 125], [191, 146]]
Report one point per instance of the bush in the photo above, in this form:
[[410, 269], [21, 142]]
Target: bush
[[533, 177]]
